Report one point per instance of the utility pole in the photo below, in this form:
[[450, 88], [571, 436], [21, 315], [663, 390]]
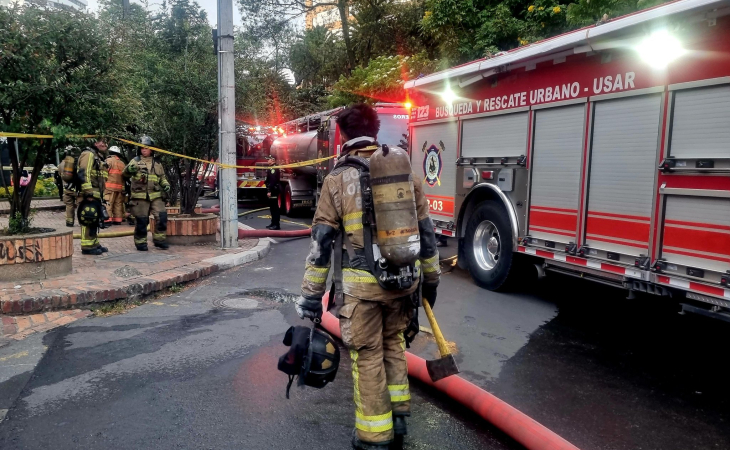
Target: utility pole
[[227, 126]]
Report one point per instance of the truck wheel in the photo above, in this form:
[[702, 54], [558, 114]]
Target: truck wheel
[[288, 210], [488, 246]]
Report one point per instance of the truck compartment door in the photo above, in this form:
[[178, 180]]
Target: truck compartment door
[[701, 123], [556, 173], [696, 228], [433, 158], [495, 136], [697, 233], [622, 173]]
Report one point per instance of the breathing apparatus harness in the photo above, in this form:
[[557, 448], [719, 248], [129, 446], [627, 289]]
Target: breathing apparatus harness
[[389, 277]]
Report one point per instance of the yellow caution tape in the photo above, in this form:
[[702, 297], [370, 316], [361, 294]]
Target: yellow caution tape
[[167, 152], [229, 166]]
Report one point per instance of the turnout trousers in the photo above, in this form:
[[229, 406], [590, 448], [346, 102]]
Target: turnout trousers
[[69, 199], [116, 205], [141, 210], [373, 332], [89, 237]]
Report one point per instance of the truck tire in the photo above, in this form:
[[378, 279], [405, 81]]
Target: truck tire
[[287, 209], [488, 246]]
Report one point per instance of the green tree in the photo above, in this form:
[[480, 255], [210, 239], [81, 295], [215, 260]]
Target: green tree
[[55, 73], [381, 80], [317, 58], [586, 12], [267, 13]]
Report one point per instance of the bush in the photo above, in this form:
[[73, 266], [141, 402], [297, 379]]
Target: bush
[[18, 225], [44, 187]]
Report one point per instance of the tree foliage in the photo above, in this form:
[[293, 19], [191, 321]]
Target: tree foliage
[[56, 74]]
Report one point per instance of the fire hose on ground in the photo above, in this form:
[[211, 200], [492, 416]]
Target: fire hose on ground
[[513, 422]]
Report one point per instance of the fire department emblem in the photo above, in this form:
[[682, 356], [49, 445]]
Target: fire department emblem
[[432, 164]]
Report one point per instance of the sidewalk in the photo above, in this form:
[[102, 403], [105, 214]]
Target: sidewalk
[[123, 272], [45, 204]]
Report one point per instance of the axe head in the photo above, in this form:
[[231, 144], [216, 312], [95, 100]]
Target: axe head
[[442, 367]]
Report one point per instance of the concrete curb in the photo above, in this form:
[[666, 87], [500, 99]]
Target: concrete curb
[[72, 297], [37, 208]]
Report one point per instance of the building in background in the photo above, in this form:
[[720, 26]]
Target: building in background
[[327, 16]]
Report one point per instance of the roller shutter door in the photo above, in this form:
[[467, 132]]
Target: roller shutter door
[[701, 123], [555, 187], [440, 141], [495, 136], [697, 232], [622, 172]]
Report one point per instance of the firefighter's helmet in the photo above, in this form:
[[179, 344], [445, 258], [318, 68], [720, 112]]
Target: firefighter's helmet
[[313, 356], [89, 212], [146, 140]]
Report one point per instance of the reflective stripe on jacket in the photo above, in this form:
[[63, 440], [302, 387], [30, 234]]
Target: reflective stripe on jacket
[[115, 182], [90, 170], [148, 180]]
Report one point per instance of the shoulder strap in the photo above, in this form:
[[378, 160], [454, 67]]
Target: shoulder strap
[[336, 290]]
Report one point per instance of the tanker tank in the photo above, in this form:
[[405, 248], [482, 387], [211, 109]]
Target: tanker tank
[[296, 148]]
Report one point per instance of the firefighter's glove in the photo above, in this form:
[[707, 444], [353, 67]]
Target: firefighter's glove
[[166, 188], [132, 168], [309, 308], [429, 293]]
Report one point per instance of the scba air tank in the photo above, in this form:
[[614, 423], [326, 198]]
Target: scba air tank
[[394, 204]]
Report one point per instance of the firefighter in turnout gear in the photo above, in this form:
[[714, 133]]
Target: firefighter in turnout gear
[[148, 184], [373, 318], [91, 174], [272, 192], [114, 194], [70, 189]]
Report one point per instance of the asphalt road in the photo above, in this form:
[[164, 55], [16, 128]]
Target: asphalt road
[[197, 369]]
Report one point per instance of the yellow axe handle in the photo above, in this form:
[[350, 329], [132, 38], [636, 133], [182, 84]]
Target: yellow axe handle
[[440, 341]]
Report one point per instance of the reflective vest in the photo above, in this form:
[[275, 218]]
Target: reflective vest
[[148, 179], [115, 182]]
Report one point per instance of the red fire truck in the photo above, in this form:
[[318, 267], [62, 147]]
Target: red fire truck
[[602, 153], [317, 136], [252, 147]]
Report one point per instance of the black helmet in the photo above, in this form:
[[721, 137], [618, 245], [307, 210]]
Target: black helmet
[[314, 356], [89, 212], [146, 140]]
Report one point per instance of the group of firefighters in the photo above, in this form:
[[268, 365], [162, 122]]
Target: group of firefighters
[[100, 176]]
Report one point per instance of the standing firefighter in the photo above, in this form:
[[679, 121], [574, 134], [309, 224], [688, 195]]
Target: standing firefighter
[[272, 192], [372, 197], [114, 195], [148, 184], [70, 189], [91, 174]]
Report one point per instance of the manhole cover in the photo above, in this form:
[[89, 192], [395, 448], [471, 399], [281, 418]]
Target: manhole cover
[[139, 257], [236, 303], [272, 295]]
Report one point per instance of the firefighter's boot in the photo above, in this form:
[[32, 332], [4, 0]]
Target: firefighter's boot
[[400, 427], [362, 445], [141, 247], [162, 245]]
